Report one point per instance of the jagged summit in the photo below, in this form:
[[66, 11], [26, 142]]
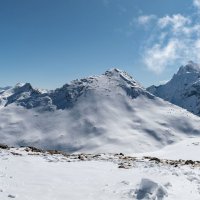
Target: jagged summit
[[113, 70], [23, 87], [183, 89], [118, 74], [111, 84], [20, 84], [190, 67], [113, 75]]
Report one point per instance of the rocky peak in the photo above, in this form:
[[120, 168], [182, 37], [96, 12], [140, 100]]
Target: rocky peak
[[190, 67], [121, 76]]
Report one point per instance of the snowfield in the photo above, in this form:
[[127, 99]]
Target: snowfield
[[26, 174], [188, 149]]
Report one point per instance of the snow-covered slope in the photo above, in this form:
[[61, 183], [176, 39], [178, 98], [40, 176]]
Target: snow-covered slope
[[183, 89], [187, 149], [106, 113], [33, 175]]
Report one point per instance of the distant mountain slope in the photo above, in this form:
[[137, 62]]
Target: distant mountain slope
[[183, 89], [106, 113]]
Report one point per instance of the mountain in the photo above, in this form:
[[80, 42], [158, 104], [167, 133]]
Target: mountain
[[183, 89], [107, 113]]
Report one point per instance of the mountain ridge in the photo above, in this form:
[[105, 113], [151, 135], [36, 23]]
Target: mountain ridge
[[183, 89], [63, 97]]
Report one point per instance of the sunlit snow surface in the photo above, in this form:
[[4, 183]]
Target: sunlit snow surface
[[57, 177]]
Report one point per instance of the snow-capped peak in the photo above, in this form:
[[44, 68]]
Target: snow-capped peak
[[113, 71], [190, 67], [116, 73], [183, 88], [23, 87], [20, 84]]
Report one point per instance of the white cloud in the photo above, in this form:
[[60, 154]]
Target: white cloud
[[174, 40], [158, 57], [177, 22], [145, 19], [197, 48], [196, 3]]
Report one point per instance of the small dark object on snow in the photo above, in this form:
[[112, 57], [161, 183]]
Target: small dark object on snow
[[189, 162], [15, 154], [54, 152], [11, 196], [3, 146], [34, 149], [81, 157], [155, 159]]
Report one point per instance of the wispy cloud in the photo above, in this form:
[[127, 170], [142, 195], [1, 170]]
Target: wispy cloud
[[175, 40], [159, 56], [196, 3], [176, 22], [146, 19]]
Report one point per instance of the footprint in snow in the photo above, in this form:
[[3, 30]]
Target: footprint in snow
[[151, 190], [192, 178], [11, 196]]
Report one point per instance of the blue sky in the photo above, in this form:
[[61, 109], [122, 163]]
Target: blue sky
[[51, 42]]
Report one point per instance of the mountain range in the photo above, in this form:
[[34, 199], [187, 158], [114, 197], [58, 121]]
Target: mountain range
[[107, 113]]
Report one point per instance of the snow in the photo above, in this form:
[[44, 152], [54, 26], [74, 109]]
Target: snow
[[150, 190], [138, 125], [43, 176], [108, 113], [187, 149]]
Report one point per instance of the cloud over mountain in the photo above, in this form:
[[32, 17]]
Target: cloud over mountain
[[174, 39]]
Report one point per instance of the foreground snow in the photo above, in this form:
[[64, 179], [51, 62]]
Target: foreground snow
[[31, 175]]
